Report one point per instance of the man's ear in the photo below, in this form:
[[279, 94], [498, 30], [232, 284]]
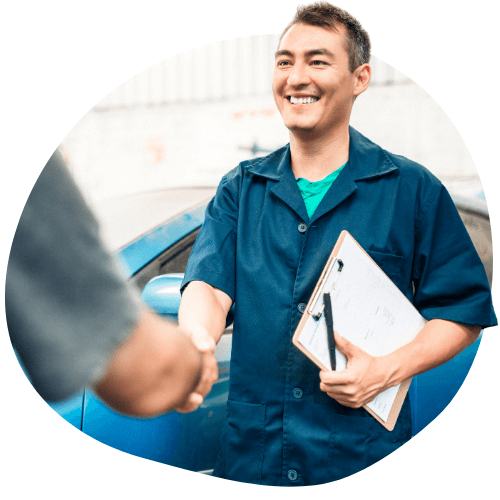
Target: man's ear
[[362, 75]]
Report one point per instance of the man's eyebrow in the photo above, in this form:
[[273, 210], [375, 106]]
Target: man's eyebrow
[[319, 52], [309, 53], [280, 53]]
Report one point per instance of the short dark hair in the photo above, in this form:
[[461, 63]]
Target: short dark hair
[[323, 14]]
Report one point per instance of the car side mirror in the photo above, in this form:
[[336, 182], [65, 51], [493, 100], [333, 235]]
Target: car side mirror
[[162, 294]]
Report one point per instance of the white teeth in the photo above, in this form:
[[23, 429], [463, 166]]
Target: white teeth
[[303, 100]]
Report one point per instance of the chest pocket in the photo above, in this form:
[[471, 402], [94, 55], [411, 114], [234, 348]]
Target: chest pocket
[[394, 266]]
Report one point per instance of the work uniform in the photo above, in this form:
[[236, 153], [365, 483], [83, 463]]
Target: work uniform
[[259, 246]]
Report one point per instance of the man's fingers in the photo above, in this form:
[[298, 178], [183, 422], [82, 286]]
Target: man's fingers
[[343, 394], [204, 344], [203, 341], [343, 345], [192, 403], [332, 390], [209, 375], [333, 377]]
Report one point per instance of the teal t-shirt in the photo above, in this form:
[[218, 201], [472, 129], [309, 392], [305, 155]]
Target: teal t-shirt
[[313, 192]]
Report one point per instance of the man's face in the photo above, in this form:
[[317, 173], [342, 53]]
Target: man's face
[[312, 85]]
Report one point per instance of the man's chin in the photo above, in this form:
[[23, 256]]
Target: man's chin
[[305, 129], [298, 125]]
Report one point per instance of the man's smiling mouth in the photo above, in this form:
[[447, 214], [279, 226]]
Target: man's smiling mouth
[[302, 100]]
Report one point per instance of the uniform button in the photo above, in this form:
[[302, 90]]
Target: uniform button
[[292, 475], [302, 307], [302, 227], [298, 393]]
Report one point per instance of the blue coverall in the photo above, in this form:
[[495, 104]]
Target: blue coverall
[[259, 246]]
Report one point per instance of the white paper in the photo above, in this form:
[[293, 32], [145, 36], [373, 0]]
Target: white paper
[[368, 310]]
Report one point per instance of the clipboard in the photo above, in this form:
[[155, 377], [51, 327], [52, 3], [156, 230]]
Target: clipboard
[[368, 310]]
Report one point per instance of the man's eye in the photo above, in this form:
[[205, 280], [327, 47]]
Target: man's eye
[[318, 63], [283, 63]]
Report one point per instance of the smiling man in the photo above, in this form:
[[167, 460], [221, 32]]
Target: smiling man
[[267, 235]]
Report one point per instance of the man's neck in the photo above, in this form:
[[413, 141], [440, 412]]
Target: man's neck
[[316, 158]]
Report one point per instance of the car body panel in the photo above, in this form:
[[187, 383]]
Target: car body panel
[[433, 391]]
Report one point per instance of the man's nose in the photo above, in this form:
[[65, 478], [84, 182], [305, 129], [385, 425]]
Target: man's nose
[[299, 76]]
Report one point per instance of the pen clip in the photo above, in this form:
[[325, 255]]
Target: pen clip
[[329, 270]]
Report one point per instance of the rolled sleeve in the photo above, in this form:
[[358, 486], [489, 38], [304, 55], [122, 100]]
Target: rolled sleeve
[[213, 259], [449, 277]]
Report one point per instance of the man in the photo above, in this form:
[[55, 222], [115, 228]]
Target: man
[[267, 235], [74, 321]]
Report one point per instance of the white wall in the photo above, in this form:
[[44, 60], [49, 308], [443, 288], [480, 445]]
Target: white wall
[[184, 122]]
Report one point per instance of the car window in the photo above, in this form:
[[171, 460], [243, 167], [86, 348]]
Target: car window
[[172, 260]]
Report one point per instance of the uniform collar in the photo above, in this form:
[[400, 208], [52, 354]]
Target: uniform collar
[[272, 166], [366, 160]]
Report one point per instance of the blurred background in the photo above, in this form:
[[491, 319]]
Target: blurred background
[[162, 140]]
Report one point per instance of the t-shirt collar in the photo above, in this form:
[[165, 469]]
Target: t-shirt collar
[[366, 160]]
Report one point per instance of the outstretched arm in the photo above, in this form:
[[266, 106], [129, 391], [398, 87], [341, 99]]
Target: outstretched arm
[[204, 309], [202, 314]]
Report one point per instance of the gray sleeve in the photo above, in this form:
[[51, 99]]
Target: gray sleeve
[[67, 306]]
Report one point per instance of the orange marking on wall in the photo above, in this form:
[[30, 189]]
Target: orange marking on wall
[[253, 113], [156, 150]]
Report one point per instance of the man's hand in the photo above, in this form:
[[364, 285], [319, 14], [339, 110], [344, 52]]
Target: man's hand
[[361, 382], [209, 372]]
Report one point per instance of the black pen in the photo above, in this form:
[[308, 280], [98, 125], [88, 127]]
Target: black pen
[[329, 329]]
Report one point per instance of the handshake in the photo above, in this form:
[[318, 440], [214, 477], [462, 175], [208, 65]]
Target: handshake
[[162, 366], [159, 368], [208, 374]]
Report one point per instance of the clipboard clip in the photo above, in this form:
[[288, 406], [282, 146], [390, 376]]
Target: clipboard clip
[[313, 304]]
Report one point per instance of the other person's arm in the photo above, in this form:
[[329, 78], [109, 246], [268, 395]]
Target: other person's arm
[[75, 322]]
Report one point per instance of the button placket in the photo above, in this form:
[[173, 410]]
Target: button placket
[[294, 394]]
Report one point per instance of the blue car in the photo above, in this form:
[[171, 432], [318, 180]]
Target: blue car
[[155, 263]]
